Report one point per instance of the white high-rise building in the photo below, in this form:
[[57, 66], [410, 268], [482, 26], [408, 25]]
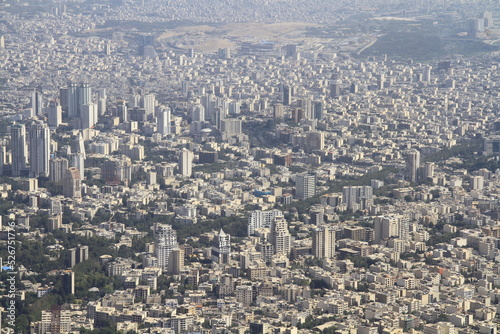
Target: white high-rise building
[[80, 144], [279, 112], [89, 116], [186, 162], [385, 227], [234, 107], [19, 148], [280, 237], [305, 186], [101, 100], [198, 113], [164, 121], [78, 96], [358, 197], [56, 320], [4, 159], [39, 149], [165, 242], [323, 242], [101, 106], [78, 161], [58, 167], [426, 74], [73, 101], [221, 249], [208, 103], [259, 219], [84, 93], [428, 170], [231, 126], [148, 102], [54, 112], [477, 182], [404, 228]]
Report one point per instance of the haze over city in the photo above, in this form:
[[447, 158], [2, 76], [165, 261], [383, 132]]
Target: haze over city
[[249, 166]]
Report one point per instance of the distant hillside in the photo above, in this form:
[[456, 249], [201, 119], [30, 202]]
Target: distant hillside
[[420, 46]]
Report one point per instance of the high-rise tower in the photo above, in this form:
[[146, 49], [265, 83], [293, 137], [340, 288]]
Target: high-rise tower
[[39, 149], [426, 74], [77, 160], [357, 197], [286, 92], [36, 103], [54, 113], [68, 282], [279, 112], [323, 242], [165, 242], [258, 219], [58, 167], [198, 113], [77, 96], [72, 100], [221, 249], [318, 110], [122, 111], [148, 102], [185, 162], [280, 237], [412, 165], [84, 93], [19, 149], [385, 227], [89, 116], [334, 87], [163, 121], [305, 186], [72, 186]]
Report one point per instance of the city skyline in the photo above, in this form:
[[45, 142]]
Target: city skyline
[[274, 167]]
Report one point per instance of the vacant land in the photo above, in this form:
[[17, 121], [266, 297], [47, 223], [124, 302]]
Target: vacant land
[[206, 38]]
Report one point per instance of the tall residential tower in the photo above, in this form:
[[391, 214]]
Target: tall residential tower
[[165, 243], [39, 149], [19, 148]]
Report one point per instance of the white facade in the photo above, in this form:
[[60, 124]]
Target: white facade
[[186, 162], [163, 121], [323, 242], [165, 241], [258, 219]]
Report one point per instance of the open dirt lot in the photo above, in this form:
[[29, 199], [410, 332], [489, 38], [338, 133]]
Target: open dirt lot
[[206, 38]]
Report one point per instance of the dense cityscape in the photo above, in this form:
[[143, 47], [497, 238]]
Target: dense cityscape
[[249, 166]]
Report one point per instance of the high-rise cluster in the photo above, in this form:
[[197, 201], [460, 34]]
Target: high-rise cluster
[[30, 147]]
